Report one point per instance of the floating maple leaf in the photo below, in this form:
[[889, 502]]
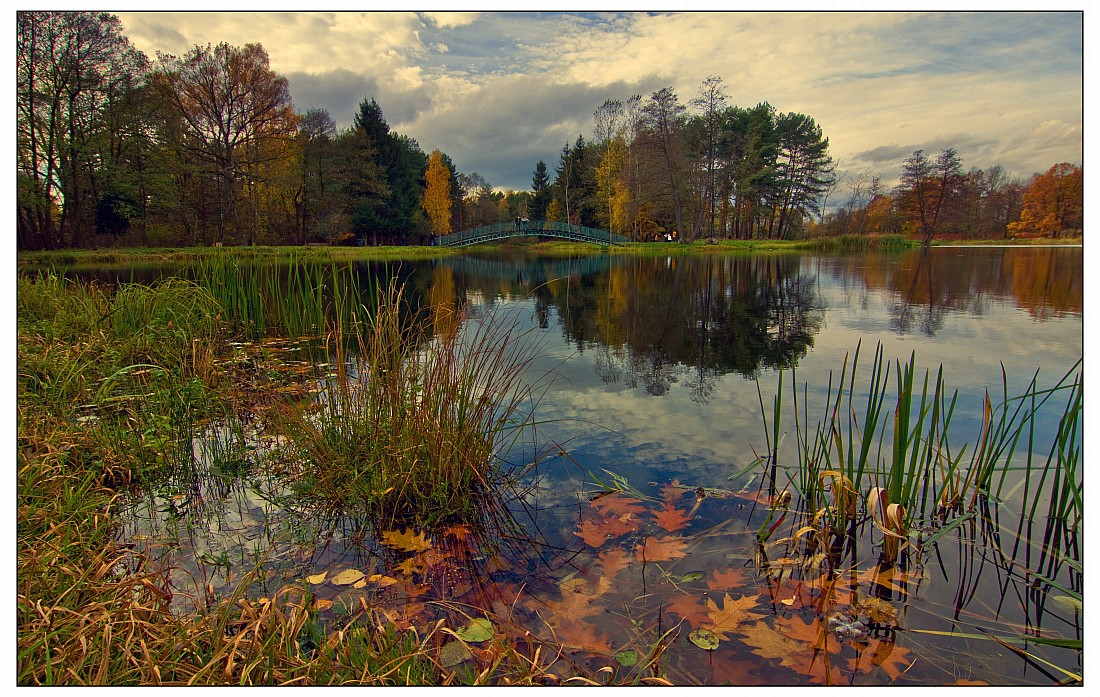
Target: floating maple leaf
[[768, 643], [818, 667], [732, 615], [576, 601], [579, 634], [671, 518], [664, 549]]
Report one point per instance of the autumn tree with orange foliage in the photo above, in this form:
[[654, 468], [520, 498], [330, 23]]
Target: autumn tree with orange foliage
[[1053, 204], [437, 194]]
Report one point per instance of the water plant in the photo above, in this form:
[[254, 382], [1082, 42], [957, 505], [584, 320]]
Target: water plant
[[415, 424], [905, 469]]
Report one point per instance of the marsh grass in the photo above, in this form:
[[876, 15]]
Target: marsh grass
[[905, 470], [100, 411], [420, 415]]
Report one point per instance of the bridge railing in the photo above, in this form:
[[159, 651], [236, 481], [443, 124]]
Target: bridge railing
[[531, 227]]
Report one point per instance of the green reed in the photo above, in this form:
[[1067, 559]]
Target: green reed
[[294, 296], [422, 408], [905, 468]]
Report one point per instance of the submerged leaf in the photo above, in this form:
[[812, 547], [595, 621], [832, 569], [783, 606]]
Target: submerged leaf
[[732, 615], [704, 639], [406, 541], [382, 581], [453, 653], [480, 629], [347, 577], [671, 518], [664, 549]]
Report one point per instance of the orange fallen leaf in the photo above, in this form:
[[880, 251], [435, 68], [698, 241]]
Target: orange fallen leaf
[[593, 533], [618, 504], [612, 561], [725, 579], [732, 614], [892, 659], [671, 518], [690, 609], [813, 632], [664, 549]]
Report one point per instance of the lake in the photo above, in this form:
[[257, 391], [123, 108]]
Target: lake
[[649, 529]]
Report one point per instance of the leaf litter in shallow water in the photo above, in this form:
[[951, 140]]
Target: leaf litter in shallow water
[[664, 549], [732, 614], [347, 577], [406, 541], [704, 639], [479, 629]]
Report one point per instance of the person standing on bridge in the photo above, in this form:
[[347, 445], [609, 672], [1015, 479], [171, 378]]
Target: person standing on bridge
[[518, 220]]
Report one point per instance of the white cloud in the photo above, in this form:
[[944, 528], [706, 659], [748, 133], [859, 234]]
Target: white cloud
[[449, 20], [1009, 84]]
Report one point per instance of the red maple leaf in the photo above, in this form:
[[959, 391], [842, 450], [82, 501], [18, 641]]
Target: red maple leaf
[[671, 518], [817, 666], [579, 634]]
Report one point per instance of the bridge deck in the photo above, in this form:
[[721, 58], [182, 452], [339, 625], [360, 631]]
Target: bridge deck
[[531, 228]]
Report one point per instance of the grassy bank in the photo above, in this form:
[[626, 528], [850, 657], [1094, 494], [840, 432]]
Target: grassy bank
[[135, 255], [112, 386], [847, 243]]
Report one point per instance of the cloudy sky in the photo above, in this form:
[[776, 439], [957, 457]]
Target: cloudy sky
[[499, 91]]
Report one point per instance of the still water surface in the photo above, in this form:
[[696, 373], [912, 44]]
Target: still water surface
[[659, 367]]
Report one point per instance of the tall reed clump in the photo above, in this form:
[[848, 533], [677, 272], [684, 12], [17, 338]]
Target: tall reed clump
[[863, 243], [294, 296], [903, 466], [414, 426]]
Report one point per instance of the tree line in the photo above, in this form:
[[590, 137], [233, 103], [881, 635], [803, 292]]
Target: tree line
[[207, 148]]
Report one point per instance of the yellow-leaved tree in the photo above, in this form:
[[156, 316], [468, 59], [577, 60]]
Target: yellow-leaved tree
[[437, 194], [1053, 204]]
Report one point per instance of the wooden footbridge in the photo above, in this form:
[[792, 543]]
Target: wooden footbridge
[[531, 228]]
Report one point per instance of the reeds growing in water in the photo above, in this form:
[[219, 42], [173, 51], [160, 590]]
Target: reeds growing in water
[[415, 425]]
